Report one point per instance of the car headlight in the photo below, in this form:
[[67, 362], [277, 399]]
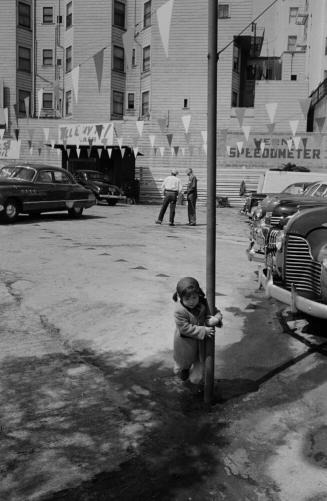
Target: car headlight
[[322, 256], [280, 237], [257, 213]]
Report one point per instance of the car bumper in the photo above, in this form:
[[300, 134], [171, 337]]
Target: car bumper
[[111, 197], [253, 255], [292, 298]]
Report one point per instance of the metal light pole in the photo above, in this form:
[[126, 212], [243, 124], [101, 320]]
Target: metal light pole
[[211, 192]]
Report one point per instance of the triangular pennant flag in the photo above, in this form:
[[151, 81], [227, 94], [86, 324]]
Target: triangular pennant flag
[[296, 141], [58, 151], [2, 131], [204, 136], [90, 141], [257, 143], [228, 150], [240, 146], [205, 147], [186, 122], [120, 142], [162, 124], [128, 42], [183, 151], [262, 147], [320, 121], [162, 150], [17, 134], [29, 143], [75, 80], [270, 128], [39, 101], [152, 140], [172, 151], [155, 151], [169, 138], [46, 132], [294, 125], [39, 150], [305, 105], [304, 142], [109, 152], [5, 110], [52, 143], [78, 152], [139, 126], [176, 150], [27, 107], [289, 144], [64, 142], [246, 131], [164, 17], [187, 137], [271, 110], [122, 151], [99, 128], [240, 112], [98, 61], [135, 150]]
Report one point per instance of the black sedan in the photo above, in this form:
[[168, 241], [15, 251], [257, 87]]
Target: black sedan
[[33, 188], [102, 189]]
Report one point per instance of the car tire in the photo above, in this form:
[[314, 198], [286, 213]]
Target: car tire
[[11, 210], [75, 211], [112, 202]]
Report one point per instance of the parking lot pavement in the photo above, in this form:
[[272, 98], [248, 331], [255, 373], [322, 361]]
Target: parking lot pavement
[[90, 408]]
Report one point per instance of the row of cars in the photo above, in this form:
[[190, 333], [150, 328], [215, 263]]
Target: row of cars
[[35, 188], [288, 233]]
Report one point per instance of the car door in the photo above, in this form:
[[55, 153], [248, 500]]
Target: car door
[[47, 193], [70, 191]]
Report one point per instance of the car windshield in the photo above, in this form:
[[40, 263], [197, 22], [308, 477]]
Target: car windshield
[[311, 189], [294, 189], [6, 171], [95, 176], [23, 173]]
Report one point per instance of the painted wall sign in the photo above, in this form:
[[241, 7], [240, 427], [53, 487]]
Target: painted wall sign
[[10, 149], [282, 153], [82, 134]]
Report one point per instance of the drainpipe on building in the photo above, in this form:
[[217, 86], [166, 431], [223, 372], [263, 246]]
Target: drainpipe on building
[[33, 103]]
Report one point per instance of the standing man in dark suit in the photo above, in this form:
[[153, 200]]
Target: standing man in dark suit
[[191, 194]]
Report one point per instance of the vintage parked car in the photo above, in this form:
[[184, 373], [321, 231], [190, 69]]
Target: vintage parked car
[[33, 188], [262, 232], [296, 273], [102, 189]]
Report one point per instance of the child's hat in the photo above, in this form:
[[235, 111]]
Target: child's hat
[[187, 283]]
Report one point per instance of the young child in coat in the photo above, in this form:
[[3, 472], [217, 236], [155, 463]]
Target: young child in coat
[[193, 324]]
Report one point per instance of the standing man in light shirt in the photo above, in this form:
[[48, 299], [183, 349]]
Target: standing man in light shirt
[[171, 187]]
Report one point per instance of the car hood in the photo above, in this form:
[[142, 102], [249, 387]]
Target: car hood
[[292, 206], [307, 220]]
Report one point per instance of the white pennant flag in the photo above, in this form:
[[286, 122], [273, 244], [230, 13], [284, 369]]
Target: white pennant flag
[[289, 144], [186, 121], [120, 142], [75, 80], [204, 146], [122, 151], [46, 131], [240, 146], [172, 151], [136, 150], [164, 17], [183, 151], [78, 151], [296, 141], [294, 125], [262, 147], [39, 101], [109, 152], [58, 152], [204, 136], [152, 140], [228, 150], [2, 131], [31, 150], [246, 131], [52, 143], [162, 150], [271, 110], [139, 125]]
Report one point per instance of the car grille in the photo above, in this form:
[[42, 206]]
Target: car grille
[[300, 269], [275, 220], [271, 244]]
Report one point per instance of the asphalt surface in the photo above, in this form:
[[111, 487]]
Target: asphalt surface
[[90, 408]]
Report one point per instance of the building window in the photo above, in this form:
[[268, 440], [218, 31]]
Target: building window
[[47, 15], [119, 14], [24, 15], [293, 77], [69, 61], [147, 14], [24, 59], [145, 103], [130, 101], [69, 103], [185, 105], [69, 15], [236, 59], [291, 43], [22, 95], [234, 99], [223, 11], [118, 103], [119, 63], [47, 57], [47, 102], [146, 58], [293, 15]]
